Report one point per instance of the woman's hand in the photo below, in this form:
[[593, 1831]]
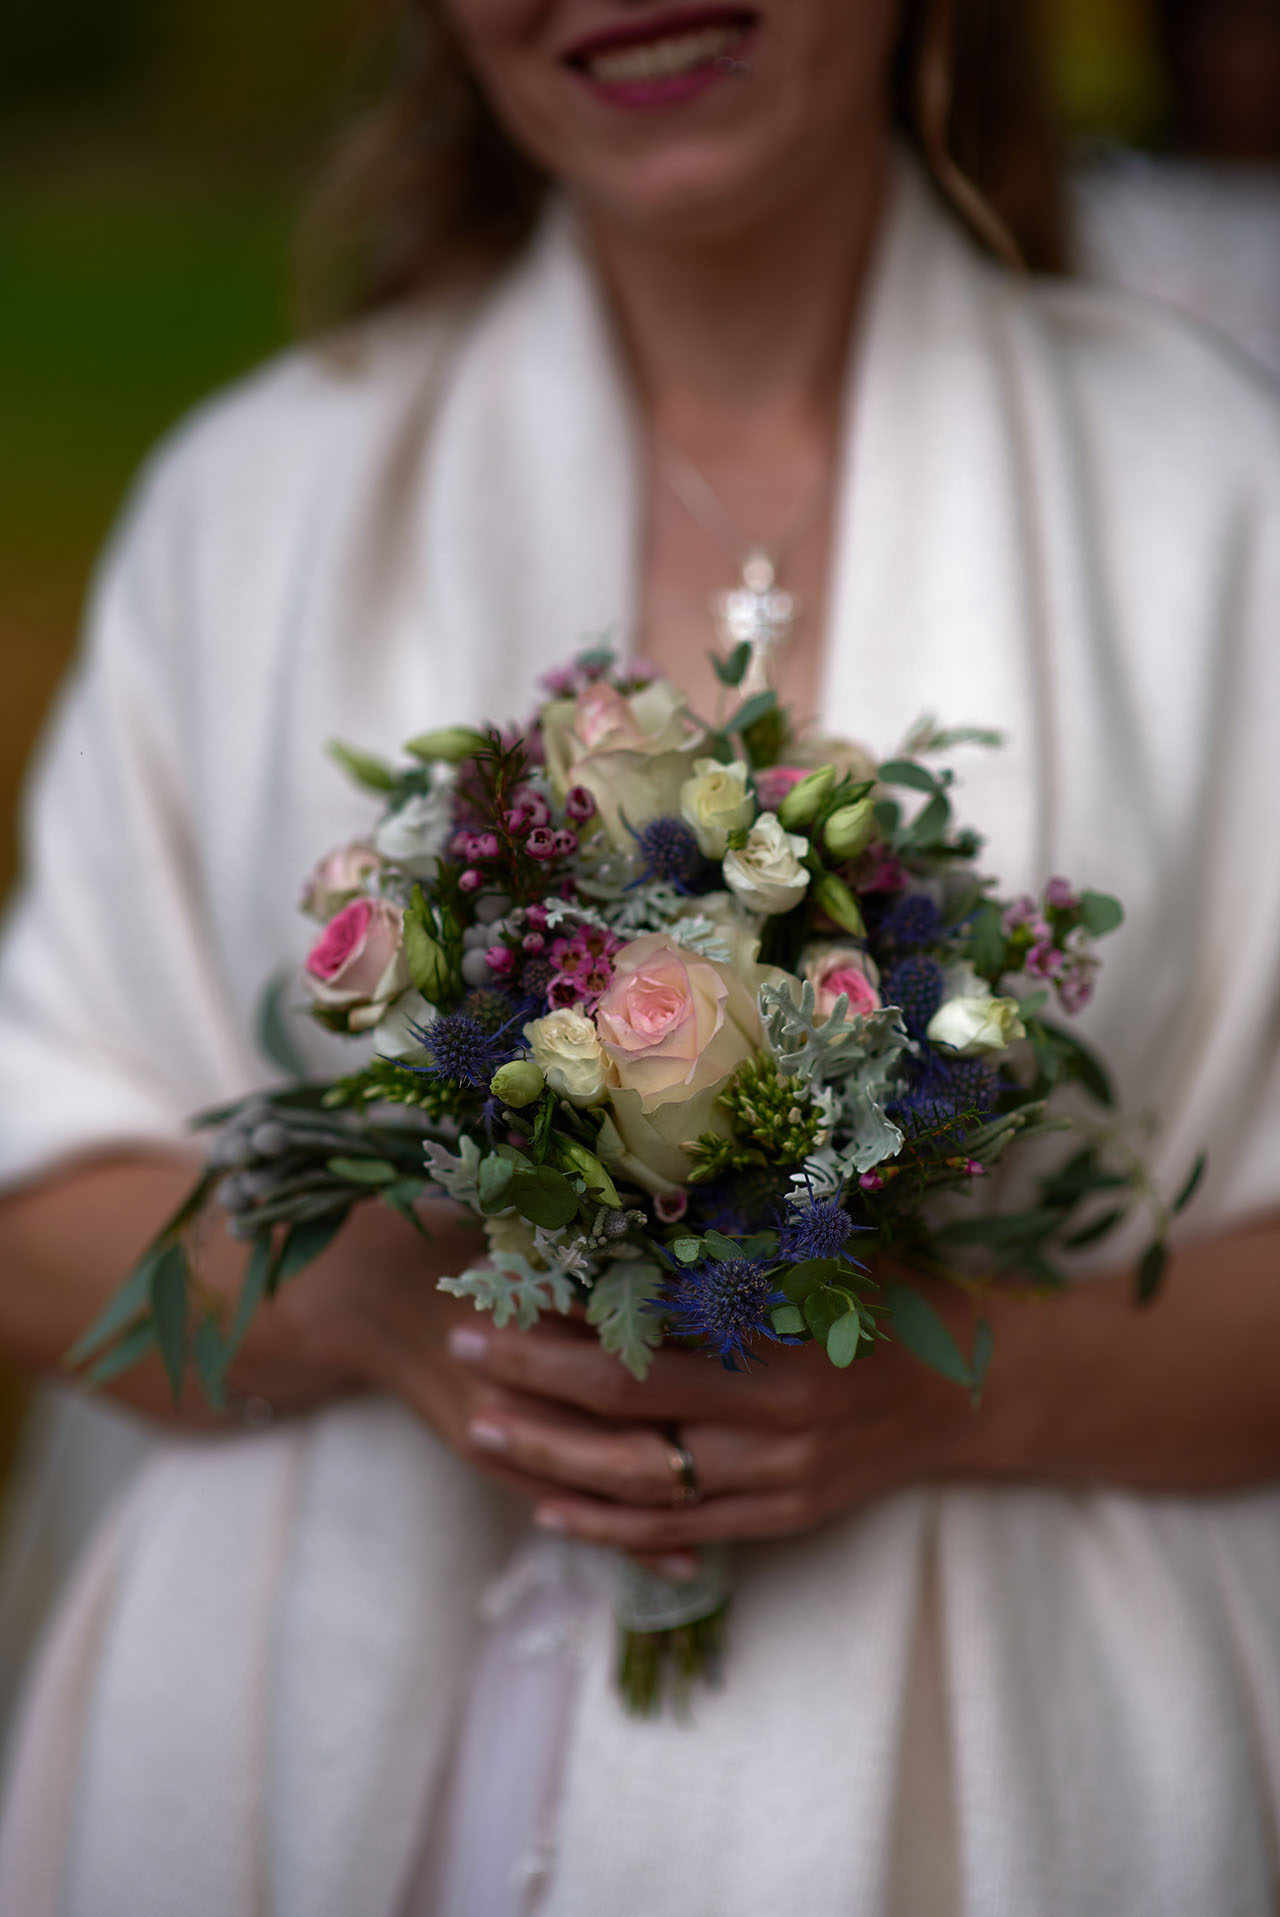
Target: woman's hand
[[776, 1450]]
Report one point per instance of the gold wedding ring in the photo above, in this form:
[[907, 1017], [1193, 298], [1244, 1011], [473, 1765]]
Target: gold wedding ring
[[686, 1489]]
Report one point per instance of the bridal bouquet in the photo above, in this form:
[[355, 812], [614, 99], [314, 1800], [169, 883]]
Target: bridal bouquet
[[698, 1019]]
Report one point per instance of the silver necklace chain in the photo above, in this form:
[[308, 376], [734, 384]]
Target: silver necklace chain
[[756, 612]]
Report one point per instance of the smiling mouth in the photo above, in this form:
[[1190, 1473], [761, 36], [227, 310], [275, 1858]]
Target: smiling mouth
[[667, 52]]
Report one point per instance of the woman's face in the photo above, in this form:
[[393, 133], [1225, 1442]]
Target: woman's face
[[687, 119]]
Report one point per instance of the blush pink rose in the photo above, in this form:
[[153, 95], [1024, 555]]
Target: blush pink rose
[[357, 966], [673, 1023], [339, 878], [844, 969]]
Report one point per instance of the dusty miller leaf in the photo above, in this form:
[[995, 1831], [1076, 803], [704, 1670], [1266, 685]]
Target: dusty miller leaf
[[617, 1308], [457, 1176], [512, 1288]]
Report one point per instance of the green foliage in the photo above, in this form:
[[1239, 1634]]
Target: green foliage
[[732, 671], [618, 1308], [169, 1278], [375, 775], [918, 1327], [275, 1032], [1151, 1270]]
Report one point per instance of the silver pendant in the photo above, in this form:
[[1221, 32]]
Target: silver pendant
[[758, 613]]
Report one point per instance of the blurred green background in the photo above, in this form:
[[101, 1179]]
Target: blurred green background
[[153, 156]]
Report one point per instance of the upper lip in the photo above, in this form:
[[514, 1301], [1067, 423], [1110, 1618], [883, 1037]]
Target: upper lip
[[656, 26]]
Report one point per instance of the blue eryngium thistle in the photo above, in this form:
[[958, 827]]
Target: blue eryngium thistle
[[670, 852], [462, 1051], [915, 984], [814, 1228], [725, 1304], [915, 920]]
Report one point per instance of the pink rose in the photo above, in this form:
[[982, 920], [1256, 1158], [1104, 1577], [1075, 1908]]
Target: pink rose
[[844, 969], [674, 1023], [357, 965], [339, 878], [673, 1026], [774, 783]]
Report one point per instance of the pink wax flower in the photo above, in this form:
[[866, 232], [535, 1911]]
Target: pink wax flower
[[357, 965], [1044, 960], [774, 783], [1061, 895], [843, 969]]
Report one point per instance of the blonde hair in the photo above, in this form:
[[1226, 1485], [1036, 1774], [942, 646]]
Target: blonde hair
[[427, 193]]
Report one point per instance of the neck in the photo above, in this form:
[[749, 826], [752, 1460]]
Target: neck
[[741, 339]]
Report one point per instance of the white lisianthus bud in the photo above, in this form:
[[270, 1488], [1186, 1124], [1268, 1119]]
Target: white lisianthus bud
[[518, 1083], [565, 1045], [850, 829], [803, 801], [767, 874], [715, 802], [972, 1026], [449, 745]]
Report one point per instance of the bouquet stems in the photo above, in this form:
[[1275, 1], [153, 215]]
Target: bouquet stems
[[671, 1635]]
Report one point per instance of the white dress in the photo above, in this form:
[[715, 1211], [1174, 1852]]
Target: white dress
[[1059, 516]]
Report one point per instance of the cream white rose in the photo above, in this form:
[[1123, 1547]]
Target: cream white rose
[[971, 1026], [715, 802], [767, 874], [416, 834], [565, 1045]]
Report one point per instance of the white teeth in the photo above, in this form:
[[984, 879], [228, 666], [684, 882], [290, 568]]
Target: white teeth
[[659, 59]]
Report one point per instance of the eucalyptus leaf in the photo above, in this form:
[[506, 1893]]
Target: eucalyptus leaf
[[907, 772], [917, 1326], [137, 1344], [305, 1243], [1100, 913], [208, 1351], [987, 942], [843, 1339], [619, 1308], [929, 827], [808, 1276], [1151, 1270], [545, 1197], [275, 1033], [1191, 1184], [752, 710], [1081, 1062], [493, 1183], [126, 1303], [687, 1250], [823, 1307], [364, 1171], [374, 774], [788, 1321], [169, 1310], [984, 1344], [732, 671]]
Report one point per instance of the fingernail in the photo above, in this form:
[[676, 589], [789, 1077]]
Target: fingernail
[[467, 1344], [488, 1437], [547, 1518], [679, 1566]]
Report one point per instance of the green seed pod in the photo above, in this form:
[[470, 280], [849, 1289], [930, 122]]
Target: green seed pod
[[450, 744], [804, 800], [838, 902], [850, 829], [518, 1083]]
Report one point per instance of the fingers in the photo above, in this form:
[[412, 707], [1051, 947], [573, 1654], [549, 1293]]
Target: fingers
[[650, 1534], [681, 1386], [633, 1464]]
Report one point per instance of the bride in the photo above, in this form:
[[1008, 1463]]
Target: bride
[[652, 302]]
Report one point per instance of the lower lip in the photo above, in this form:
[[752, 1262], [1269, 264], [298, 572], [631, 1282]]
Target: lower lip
[[668, 89]]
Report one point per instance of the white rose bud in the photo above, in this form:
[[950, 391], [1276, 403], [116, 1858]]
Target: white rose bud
[[716, 802], [971, 1026], [767, 874], [565, 1045]]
